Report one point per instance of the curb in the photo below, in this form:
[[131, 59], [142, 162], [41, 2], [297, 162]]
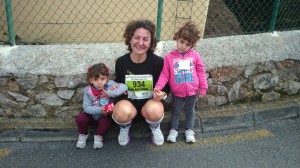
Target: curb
[[211, 120]]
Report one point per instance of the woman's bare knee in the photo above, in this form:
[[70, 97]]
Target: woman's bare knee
[[124, 111], [153, 110]]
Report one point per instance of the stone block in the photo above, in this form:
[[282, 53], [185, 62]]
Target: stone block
[[223, 118], [275, 110], [9, 135], [46, 135]]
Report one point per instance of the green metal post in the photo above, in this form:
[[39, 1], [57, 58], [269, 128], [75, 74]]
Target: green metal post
[[274, 15], [9, 20], [159, 19]]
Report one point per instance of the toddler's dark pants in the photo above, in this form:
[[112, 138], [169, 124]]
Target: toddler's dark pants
[[84, 120]]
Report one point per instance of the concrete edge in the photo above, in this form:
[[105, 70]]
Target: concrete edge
[[217, 119]]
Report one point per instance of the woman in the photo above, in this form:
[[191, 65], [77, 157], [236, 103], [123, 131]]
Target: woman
[[139, 70]]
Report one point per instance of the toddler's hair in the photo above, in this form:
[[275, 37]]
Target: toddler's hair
[[95, 70], [188, 32]]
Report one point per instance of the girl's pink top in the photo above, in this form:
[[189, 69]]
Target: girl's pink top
[[184, 72]]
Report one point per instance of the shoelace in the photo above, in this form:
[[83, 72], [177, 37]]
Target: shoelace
[[157, 133]]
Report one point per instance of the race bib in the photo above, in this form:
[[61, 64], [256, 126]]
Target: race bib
[[184, 64], [139, 86]]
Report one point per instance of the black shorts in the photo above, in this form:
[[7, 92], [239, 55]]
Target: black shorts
[[137, 103]]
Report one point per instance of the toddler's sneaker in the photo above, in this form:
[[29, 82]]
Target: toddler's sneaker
[[124, 137], [157, 136], [82, 140], [190, 136], [173, 134], [98, 141]]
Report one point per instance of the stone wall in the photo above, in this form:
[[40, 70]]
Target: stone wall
[[263, 81], [45, 82], [54, 96]]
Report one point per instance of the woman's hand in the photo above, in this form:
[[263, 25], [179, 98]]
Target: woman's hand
[[158, 95]]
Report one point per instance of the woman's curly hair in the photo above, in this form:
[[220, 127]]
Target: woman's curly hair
[[135, 24]]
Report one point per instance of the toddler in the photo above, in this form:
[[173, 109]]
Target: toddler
[[97, 104]]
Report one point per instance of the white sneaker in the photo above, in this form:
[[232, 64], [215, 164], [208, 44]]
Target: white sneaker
[[157, 136], [173, 134], [98, 141], [124, 137], [82, 140], [190, 136]]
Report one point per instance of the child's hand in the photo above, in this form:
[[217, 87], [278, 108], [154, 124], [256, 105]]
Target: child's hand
[[201, 96], [107, 109], [104, 92], [157, 89], [158, 94], [115, 87], [103, 111]]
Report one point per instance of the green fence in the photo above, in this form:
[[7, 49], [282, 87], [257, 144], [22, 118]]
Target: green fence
[[103, 21]]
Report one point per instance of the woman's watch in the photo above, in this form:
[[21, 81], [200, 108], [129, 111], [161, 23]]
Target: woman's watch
[[166, 95]]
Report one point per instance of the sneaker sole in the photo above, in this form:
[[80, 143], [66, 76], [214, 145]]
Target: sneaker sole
[[170, 140], [97, 147], [80, 146], [190, 141]]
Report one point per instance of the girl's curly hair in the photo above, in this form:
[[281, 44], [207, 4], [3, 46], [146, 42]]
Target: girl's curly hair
[[135, 24], [188, 32]]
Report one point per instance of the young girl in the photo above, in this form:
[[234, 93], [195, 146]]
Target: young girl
[[97, 104], [185, 72]]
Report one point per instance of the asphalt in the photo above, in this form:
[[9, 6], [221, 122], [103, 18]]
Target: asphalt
[[219, 118]]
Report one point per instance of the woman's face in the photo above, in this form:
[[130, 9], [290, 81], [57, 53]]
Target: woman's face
[[140, 41]]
